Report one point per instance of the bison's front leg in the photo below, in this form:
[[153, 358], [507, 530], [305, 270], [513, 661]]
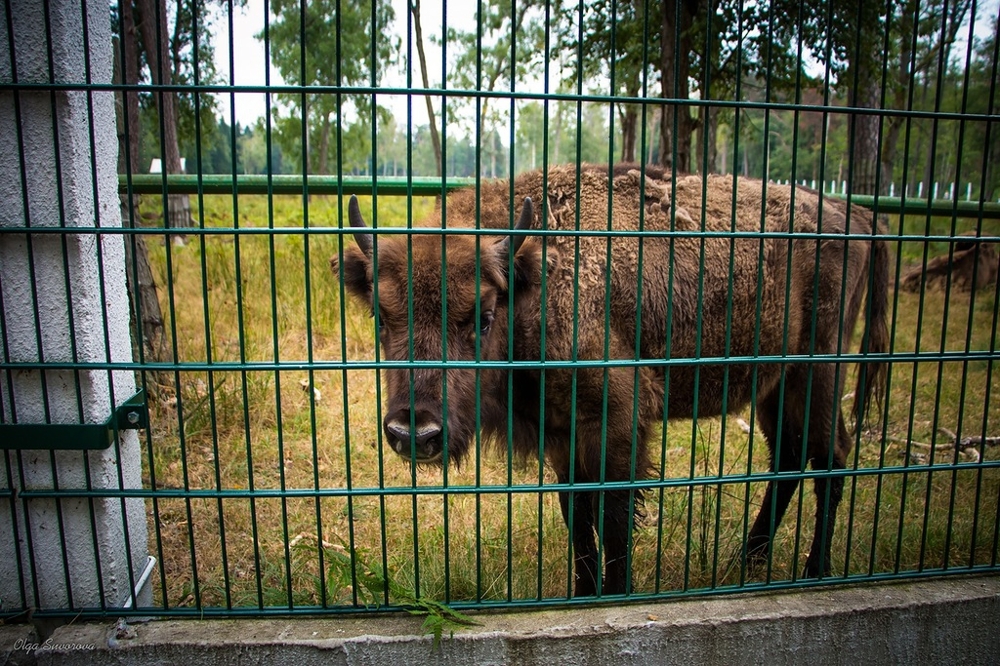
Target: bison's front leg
[[618, 513], [581, 527], [829, 492], [784, 442], [827, 500], [614, 530]]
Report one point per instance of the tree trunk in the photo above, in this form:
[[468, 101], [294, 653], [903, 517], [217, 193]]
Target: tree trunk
[[556, 134], [306, 138], [708, 116], [493, 157], [864, 134], [708, 122], [969, 265], [152, 24], [146, 316], [992, 186], [630, 122], [894, 123], [675, 68], [324, 146], [435, 138]]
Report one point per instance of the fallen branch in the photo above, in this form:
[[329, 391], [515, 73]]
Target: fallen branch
[[969, 265], [974, 441], [969, 453]]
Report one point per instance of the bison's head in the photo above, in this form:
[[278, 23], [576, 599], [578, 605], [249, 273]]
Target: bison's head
[[439, 298]]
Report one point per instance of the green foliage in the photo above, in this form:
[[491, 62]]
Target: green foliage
[[505, 49], [192, 57], [330, 43], [259, 151], [375, 585], [780, 51]]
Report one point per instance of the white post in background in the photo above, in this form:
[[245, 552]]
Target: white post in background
[[64, 301]]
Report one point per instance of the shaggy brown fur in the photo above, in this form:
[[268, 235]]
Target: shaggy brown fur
[[709, 297]]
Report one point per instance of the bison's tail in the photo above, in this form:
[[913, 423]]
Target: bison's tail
[[872, 375]]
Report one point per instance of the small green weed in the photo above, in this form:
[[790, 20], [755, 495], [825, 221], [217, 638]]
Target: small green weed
[[375, 586]]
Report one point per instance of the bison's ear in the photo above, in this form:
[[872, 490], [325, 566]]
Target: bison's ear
[[357, 273], [528, 265]]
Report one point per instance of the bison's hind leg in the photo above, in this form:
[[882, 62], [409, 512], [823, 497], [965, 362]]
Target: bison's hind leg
[[829, 491], [578, 515], [826, 429], [784, 441], [825, 426], [622, 510]]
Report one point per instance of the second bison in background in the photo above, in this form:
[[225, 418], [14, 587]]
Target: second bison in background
[[796, 290]]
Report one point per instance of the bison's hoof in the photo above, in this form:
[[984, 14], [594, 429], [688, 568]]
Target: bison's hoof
[[817, 567]]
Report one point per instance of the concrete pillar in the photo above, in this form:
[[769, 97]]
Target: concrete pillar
[[63, 301]]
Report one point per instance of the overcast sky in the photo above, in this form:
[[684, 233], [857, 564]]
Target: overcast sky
[[249, 64]]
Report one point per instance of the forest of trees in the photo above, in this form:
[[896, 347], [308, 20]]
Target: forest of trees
[[609, 65]]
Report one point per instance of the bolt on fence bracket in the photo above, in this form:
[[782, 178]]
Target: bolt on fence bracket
[[132, 414]]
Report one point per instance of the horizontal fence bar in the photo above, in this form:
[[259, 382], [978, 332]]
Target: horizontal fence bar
[[471, 94], [402, 186], [517, 489], [562, 364], [130, 415], [492, 232], [287, 184]]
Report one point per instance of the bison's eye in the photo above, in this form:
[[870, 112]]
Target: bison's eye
[[485, 322]]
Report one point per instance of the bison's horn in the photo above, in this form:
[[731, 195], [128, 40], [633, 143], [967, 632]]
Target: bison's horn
[[524, 222], [354, 215]]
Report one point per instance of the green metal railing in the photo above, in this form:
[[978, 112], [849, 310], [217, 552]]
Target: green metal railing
[[268, 480], [430, 187]]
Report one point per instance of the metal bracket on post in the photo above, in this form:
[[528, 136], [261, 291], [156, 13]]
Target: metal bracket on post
[[133, 414]]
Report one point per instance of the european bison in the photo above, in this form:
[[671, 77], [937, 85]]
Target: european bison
[[750, 296]]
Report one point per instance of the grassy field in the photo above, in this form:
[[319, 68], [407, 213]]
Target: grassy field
[[263, 298]]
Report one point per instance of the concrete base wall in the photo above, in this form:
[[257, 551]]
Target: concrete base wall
[[951, 621]]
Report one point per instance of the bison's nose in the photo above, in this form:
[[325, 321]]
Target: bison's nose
[[425, 436]]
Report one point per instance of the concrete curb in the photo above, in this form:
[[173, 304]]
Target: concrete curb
[[955, 620], [15, 643]]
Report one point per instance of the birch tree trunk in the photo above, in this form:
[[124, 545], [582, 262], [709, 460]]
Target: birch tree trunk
[[435, 138]]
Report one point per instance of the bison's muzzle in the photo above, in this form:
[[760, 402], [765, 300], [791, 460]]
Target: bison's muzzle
[[419, 439]]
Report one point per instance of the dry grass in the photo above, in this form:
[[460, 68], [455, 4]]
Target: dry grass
[[232, 430]]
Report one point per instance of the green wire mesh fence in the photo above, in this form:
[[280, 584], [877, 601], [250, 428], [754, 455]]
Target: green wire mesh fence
[[503, 375]]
